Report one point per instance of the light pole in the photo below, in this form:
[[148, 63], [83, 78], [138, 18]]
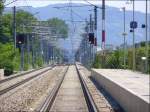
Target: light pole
[[124, 35], [146, 32], [103, 32], [95, 31], [14, 27], [133, 26], [133, 38]]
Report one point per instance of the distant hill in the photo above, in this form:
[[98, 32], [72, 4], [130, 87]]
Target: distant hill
[[114, 21]]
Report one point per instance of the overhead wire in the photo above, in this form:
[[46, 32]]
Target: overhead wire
[[92, 4], [76, 21], [73, 22], [74, 26], [74, 6], [78, 15], [10, 3], [83, 19], [71, 17], [30, 9]]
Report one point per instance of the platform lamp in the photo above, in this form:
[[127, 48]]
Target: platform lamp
[[133, 26], [124, 34]]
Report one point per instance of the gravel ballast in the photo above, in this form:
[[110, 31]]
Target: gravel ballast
[[28, 96]]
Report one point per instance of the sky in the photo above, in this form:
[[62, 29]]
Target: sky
[[139, 5]]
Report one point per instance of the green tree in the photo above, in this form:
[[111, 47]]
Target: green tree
[[6, 29], [96, 63], [6, 58], [113, 60], [1, 11], [60, 27], [130, 59], [23, 18], [141, 64], [10, 60]]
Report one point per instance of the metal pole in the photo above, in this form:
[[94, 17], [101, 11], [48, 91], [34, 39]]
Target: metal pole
[[47, 54], [53, 54], [95, 16], [32, 51], [14, 26], [95, 31], [86, 43], [90, 43], [90, 23], [124, 37], [22, 58], [84, 51], [146, 32], [28, 50], [103, 32], [1, 13], [41, 50], [134, 39]]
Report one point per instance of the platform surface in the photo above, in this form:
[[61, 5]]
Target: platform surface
[[135, 82]]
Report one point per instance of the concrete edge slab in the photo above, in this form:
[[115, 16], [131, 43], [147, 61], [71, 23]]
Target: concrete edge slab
[[127, 99]]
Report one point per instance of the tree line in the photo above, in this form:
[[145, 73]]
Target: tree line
[[10, 59], [114, 59]]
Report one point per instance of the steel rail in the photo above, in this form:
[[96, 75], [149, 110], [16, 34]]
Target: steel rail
[[45, 107], [89, 100]]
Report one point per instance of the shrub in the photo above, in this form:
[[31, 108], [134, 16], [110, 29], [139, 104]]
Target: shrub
[[8, 69], [96, 63]]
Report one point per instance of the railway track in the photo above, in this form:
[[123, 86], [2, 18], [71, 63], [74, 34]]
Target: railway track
[[69, 94], [7, 89], [20, 75]]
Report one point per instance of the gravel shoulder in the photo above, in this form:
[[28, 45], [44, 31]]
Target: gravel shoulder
[[101, 98], [28, 96], [20, 78]]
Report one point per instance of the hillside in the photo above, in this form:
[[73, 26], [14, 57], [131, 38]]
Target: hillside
[[114, 20]]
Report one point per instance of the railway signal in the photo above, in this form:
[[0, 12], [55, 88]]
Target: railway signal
[[91, 38], [133, 24], [20, 39], [143, 26], [95, 42]]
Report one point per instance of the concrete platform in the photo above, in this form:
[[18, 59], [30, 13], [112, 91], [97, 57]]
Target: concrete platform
[[129, 89]]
